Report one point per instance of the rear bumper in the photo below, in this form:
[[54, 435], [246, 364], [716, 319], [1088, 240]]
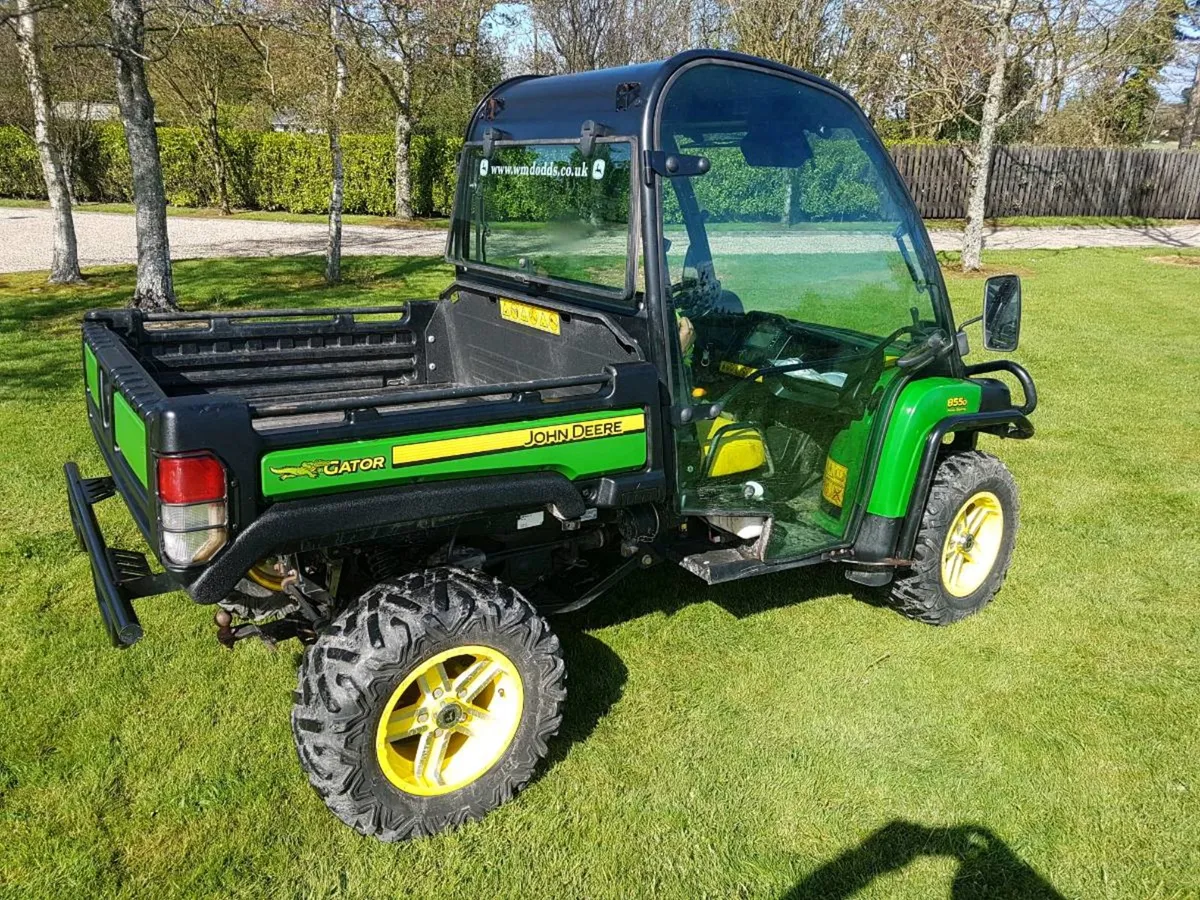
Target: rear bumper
[[119, 576]]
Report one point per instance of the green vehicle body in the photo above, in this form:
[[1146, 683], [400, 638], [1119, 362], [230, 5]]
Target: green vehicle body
[[547, 416]]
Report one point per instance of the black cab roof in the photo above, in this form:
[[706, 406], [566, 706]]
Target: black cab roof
[[622, 100]]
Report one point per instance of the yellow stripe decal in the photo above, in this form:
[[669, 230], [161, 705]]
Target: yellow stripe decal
[[518, 439]]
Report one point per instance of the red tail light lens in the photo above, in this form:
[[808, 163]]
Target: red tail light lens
[[190, 479]]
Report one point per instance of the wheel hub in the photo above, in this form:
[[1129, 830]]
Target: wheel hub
[[449, 721], [972, 544], [449, 715]]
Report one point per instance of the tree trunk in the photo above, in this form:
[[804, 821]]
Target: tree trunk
[[218, 157], [64, 265], [403, 179], [155, 287], [972, 252], [1193, 110], [333, 251]]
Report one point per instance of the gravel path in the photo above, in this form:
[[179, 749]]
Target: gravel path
[[108, 238]]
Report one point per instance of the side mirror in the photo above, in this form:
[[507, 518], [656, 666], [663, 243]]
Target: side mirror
[[1002, 313]]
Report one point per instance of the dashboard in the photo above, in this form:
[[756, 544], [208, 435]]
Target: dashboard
[[819, 364]]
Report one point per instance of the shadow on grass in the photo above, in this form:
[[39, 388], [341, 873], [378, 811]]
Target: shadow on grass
[[669, 588], [588, 699], [987, 866]]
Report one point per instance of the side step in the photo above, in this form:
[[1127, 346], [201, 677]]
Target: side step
[[119, 576]]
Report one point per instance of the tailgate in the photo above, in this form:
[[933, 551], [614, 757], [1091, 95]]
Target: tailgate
[[120, 396]]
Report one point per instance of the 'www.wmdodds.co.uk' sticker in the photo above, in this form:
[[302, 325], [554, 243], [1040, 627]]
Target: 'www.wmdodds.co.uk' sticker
[[547, 170]]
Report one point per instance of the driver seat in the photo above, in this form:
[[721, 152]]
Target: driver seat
[[738, 448]]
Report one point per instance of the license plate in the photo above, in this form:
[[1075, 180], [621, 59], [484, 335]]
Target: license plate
[[530, 316]]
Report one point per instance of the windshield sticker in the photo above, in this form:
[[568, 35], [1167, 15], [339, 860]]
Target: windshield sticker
[[546, 169]]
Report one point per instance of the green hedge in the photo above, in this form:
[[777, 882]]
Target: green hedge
[[266, 170], [290, 172], [836, 183], [20, 172]]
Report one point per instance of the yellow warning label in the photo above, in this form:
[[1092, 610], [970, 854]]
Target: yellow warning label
[[732, 368], [833, 488], [530, 316]]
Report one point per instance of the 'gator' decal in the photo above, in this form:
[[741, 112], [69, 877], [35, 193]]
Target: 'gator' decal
[[331, 467]]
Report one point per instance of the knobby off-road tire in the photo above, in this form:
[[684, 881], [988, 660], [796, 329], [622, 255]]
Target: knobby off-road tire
[[355, 674], [966, 485]]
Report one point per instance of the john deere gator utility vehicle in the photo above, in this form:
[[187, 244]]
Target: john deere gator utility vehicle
[[695, 318]]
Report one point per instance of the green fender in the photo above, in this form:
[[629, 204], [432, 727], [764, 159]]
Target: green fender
[[920, 406]]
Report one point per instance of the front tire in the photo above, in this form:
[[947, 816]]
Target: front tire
[[965, 543], [428, 703]]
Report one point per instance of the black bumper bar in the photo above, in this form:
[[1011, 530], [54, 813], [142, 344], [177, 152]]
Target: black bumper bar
[[119, 576]]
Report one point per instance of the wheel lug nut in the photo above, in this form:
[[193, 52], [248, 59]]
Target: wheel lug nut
[[422, 716], [437, 693]]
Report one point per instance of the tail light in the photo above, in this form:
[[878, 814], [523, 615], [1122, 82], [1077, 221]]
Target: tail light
[[193, 507]]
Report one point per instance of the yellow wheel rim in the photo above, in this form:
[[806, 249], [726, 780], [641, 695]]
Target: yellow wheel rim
[[449, 721], [972, 544]]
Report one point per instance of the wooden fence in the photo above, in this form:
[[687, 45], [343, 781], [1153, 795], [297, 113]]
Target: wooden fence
[[1057, 181]]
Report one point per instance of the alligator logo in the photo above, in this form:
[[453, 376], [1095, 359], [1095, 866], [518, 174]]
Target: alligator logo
[[331, 467], [305, 470]]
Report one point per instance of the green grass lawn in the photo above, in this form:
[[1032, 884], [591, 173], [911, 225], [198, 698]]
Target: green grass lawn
[[777, 737]]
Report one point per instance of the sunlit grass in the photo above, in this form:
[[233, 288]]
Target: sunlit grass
[[723, 742]]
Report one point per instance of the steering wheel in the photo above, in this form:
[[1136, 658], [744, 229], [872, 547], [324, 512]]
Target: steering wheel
[[933, 346]]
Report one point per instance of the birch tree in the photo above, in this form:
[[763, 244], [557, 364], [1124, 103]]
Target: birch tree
[[64, 264], [1073, 37], [389, 34], [1189, 35], [1001, 25], [337, 181], [155, 285]]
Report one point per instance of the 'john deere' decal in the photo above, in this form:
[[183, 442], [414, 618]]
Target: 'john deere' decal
[[576, 445], [537, 436]]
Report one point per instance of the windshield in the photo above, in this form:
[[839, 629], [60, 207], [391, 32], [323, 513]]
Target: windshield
[[547, 213], [800, 214]]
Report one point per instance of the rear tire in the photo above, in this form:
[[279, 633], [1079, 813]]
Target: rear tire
[[955, 572], [365, 671]]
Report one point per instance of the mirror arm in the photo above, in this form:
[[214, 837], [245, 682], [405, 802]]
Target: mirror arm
[[963, 325]]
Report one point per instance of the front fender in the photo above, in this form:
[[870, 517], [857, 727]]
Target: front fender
[[921, 407]]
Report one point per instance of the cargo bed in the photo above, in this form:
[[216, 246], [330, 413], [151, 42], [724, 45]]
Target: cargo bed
[[306, 409]]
